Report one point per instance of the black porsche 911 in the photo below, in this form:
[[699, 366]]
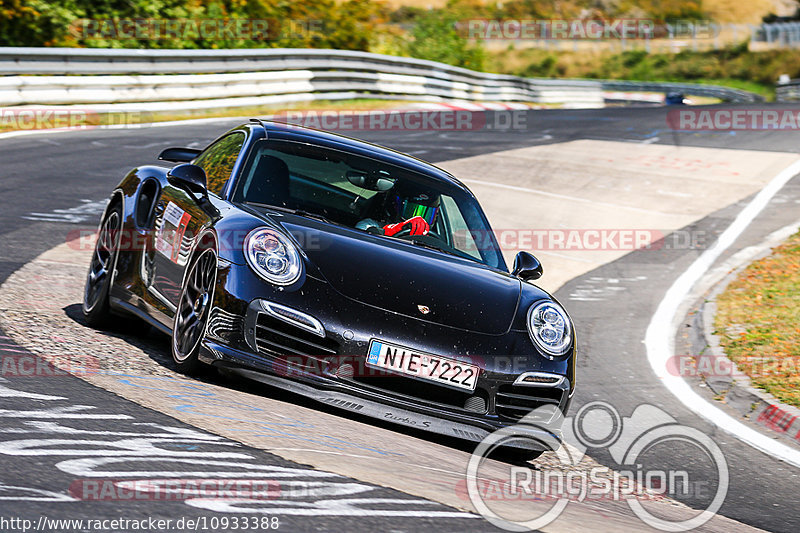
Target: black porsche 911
[[340, 270]]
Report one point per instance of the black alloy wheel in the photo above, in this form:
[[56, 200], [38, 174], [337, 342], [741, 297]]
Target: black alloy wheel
[[194, 307]]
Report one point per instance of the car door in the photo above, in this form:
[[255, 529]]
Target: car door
[[179, 218]]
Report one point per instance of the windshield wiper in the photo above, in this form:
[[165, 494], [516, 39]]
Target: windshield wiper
[[304, 213], [455, 252], [423, 244]]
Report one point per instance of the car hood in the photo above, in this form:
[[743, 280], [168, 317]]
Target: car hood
[[403, 278]]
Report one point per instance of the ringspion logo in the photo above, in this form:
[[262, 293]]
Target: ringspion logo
[[637, 444]]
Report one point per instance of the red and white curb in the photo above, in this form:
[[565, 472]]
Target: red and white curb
[[620, 96], [476, 106], [757, 405], [660, 337]]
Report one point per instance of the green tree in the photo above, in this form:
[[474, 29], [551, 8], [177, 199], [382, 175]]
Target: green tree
[[435, 38], [293, 23], [36, 22]]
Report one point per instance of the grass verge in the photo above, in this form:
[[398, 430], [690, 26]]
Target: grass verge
[[758, 321]]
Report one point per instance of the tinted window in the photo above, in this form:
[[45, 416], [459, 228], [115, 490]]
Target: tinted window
[[364, 193], [218, 160]]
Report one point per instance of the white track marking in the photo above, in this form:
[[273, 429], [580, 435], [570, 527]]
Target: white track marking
[[659, 339], [330, 507], [566, 197], [30, 494], [86, 211], [563, 256], [6, 392]]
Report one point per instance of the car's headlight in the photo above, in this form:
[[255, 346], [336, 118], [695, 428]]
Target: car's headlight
[[273, 256], [550, 327]]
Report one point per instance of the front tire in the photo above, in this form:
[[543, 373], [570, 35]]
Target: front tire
[[194, 307], [95, 306]]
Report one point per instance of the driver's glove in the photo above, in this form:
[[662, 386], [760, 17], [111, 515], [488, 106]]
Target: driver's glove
[[419, 226]]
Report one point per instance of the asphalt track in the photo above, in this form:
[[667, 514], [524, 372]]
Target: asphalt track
[[52, 174]]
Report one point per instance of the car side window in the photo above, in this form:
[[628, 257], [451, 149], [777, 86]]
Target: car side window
[[218, 159], [463, 239]]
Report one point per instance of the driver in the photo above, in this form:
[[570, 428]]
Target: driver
[[416, 212]]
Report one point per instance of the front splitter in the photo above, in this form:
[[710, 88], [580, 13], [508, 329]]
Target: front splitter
[[536, 438]]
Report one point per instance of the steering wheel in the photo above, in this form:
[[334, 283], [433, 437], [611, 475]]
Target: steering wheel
[[406, 232]]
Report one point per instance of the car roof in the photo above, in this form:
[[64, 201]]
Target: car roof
[[279, 130]]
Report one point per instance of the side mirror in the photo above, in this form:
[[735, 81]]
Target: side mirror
[[189, 177], [179, 155], [527, 267]]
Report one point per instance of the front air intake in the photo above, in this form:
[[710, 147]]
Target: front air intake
[[278, 337], [515, 401]]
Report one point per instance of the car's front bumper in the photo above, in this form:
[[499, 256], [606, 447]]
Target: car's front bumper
[[330, 367], [349, 397]]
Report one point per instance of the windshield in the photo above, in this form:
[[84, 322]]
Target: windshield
[[369, 195]]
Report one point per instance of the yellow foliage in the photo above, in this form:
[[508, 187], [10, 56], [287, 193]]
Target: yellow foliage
[[738, 11]]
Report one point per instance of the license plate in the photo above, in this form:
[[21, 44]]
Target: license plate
[[422, 365]]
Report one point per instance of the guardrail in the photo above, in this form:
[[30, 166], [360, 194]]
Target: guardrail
[[154, 79], [725, 94], [780, 33], [788, 91]]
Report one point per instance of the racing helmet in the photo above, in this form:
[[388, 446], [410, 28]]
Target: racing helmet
[[418, 203]]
